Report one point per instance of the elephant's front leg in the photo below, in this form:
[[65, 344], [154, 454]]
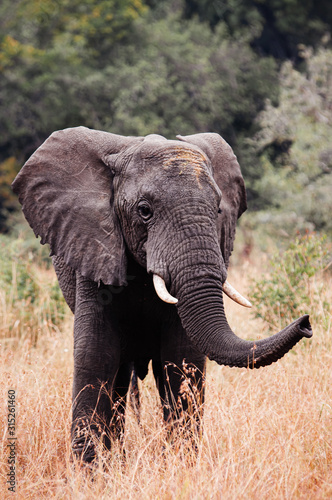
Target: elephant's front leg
[[96, 363], [180, 377]]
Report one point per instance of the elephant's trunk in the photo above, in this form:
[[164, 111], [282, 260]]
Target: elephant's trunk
[[202, 314], [194, 275]]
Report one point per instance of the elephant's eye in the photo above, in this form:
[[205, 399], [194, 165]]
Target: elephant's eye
[[144, 210]]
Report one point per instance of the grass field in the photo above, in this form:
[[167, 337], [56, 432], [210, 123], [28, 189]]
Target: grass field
[[267, 433]]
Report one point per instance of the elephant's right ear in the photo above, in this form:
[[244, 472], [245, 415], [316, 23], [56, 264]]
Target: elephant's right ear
[[66, 192]]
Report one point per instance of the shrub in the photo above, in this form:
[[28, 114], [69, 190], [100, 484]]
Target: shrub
[[30, 295], [293, 286]]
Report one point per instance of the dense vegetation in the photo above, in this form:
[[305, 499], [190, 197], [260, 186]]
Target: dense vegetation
[[257, 72]]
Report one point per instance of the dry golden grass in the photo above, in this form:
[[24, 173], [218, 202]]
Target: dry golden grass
[[267, 433]]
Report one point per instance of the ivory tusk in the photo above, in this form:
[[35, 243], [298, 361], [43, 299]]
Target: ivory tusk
[[161, 290], [235, 295]]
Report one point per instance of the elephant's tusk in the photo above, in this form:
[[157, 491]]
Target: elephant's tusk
[[161, 290], [235, 295]]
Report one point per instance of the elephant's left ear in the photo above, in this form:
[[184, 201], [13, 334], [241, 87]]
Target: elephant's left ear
[[227, 174], [66, 192]]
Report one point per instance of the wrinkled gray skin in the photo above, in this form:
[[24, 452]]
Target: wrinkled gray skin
[[115, 210]]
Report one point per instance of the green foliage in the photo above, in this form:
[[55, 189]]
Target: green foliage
[[47, 50], [8, 202], [292, 287], [294, 144], [83, 29], [274, 27], [189, 80], [31, 296]]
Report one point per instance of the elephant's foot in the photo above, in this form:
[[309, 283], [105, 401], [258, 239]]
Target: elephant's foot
[[88, 440], [91, 440]]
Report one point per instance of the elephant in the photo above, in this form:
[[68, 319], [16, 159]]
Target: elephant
[[141, 230]]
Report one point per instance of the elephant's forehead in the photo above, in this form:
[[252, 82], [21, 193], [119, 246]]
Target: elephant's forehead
[[183, 156], [175, 160], [186, 161], [168, 151]]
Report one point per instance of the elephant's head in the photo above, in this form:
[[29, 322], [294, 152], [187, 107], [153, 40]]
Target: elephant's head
[[94, 196]]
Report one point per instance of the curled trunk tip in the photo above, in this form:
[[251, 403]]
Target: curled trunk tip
[[203, 317]]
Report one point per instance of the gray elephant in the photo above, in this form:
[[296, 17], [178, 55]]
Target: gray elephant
[[126, 217]]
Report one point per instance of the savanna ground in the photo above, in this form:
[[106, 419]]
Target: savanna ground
[[267, 432]]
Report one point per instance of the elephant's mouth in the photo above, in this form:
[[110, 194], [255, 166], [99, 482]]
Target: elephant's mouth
[[228, 289]]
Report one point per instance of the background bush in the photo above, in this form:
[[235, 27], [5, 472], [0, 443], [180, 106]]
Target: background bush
[[31, 299], [294, 285], [294, 145]]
